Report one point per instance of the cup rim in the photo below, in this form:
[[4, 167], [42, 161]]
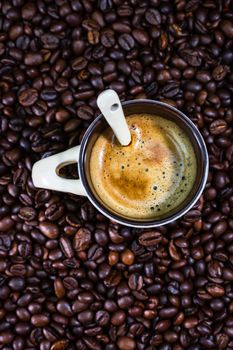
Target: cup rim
[[130, 222]]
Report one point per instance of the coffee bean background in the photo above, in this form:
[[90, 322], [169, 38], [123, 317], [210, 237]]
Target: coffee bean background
[[70, 278]]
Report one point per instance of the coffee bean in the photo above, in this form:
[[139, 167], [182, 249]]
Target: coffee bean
[[222, 340], [217, 304], [86, 297], [33, 59], [203, 77], [97, 83], [228, 274], [227, 57], [190, 322], [228, 331], [85, 112], [60, 345], [101, 237], [162, 326], [18, 270], [118, 318], [135, 281], [59, 288], [93, 37], [141, 36], [102, 317], [85, 317], [48, 95], [82, 239], [28, 97], [170, 336], [107, 38], [16, 283], [5, 242], [192, 216], [64, 308], [18, 343], [113, 258], [218, 126], [50, 41], [219, 228], [15, 31], [40, 320], [127, 257], [226, 27], [22, 328], [54, 212], [79, 63], [28, 11], [150, 238], [27, 213], [219, 73], [153, 17], [25, 249], [66, 247], [126, 343], [215, 269], [6, 337], [215, 290], [6, 223], [113, 278], [168, 312], [192, 57], [193, 86], [126, 41], [220, 180], [170, 90], [49, 229]]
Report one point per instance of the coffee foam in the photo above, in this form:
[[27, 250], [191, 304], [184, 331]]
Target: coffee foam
[[151, 176]]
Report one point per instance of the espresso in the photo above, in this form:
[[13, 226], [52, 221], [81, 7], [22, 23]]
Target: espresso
[[151, 176]]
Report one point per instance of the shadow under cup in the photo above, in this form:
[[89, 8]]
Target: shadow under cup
[[158, 109]]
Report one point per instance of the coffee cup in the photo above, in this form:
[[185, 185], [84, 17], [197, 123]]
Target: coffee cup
[[45, 172]]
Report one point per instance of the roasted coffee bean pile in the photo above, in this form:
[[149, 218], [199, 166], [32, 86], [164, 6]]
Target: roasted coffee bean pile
[[70, 278]]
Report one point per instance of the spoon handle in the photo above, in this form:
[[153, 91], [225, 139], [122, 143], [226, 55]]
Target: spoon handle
[[110, 106]]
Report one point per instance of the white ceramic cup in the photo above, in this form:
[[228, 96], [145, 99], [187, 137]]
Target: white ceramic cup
[[45, 172]]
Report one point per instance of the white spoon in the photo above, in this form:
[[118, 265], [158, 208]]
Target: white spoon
[[110, 106]]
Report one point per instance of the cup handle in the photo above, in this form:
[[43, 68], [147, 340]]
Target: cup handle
[[45, 173]]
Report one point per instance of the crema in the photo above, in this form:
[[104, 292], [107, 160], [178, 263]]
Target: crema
[[151, 176]]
